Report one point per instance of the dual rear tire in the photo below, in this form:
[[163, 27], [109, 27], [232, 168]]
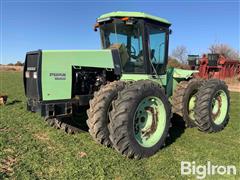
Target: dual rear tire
[[204, 104]]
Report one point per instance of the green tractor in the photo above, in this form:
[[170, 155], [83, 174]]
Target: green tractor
[[130, 92]]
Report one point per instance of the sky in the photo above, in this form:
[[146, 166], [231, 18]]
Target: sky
[[31, 25]]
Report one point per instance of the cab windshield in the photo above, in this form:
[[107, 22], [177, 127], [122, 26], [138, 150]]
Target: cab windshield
[[128, 39]]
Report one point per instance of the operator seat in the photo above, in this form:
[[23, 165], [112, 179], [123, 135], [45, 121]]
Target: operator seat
[[125, 58]]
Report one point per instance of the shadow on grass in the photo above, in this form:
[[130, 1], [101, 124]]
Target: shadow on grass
[[175, 132], [80, 119], [177, 129], [13, 102]]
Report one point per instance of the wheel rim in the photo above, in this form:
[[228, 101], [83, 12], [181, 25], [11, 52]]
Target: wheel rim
[[219, 107], [149, 121], [191, 107]]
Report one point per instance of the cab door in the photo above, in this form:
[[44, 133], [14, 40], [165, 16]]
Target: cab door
[[157, 48]]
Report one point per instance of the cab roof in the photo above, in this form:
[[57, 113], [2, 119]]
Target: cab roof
[[132, 14]]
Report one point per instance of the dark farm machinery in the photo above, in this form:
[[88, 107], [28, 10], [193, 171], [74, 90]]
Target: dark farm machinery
[[214, 66]]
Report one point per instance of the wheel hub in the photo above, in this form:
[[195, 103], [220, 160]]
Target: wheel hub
[[216, 106], [149, 121], [191, 106], [151, 127], [219, 107]]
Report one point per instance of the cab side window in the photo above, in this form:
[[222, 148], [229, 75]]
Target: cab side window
[[157, 42]]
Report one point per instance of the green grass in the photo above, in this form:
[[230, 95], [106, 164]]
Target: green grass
[[30, 149]]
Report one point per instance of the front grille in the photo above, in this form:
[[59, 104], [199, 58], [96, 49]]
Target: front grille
[[32, 75]]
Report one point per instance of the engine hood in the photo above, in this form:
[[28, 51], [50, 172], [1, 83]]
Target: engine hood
[[56, 69], [82, 58]]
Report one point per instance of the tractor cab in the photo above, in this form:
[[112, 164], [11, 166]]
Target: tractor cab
[[141, 39]]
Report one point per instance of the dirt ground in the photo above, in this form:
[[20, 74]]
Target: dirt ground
[[233, 84], [11, 68], [234, 87]]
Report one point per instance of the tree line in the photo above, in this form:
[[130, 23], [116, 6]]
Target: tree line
[[18, 63], [179, 55], [180, 52]]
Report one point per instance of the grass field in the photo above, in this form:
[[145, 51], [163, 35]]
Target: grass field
[[30, 149]]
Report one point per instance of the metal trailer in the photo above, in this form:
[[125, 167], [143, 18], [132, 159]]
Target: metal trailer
[[214, 66]]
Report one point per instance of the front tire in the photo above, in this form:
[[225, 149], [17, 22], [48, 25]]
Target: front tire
[[140, 119], [98, 112], [212, 107]]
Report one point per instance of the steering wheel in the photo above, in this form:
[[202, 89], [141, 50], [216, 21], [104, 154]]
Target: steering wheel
[[133, 52]]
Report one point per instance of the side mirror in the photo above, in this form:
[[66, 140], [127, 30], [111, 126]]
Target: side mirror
[[95, 27], [170, 31]]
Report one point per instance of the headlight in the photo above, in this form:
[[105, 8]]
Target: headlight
[[27, 74], [35, 75]]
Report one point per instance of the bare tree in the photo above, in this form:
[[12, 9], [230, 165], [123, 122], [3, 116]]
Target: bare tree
[[180, 53], [225, 50]]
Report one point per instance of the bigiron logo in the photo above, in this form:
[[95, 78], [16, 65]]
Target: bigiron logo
[[58, 76], [201, 171]]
